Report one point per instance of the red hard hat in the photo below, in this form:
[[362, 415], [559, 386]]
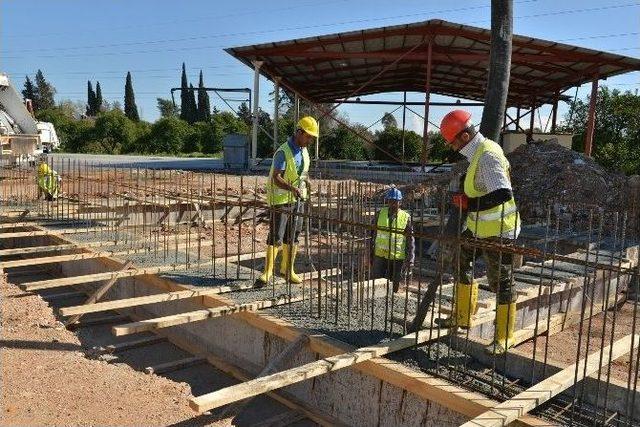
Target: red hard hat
[[453, 123]]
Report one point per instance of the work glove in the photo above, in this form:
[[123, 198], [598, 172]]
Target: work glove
[[461, 201]]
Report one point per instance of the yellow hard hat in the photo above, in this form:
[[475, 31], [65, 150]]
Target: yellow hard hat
[[309, 125]]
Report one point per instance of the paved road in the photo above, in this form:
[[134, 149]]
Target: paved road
[[150, 162]]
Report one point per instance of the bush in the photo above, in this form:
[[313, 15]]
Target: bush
[[390, 140], [341, 143], [167, 135], [114, 132]]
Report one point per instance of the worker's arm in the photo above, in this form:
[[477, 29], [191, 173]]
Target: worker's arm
[[488, 201]]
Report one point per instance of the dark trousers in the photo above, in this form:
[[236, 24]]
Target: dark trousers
[[498, 267], [389, 269], [284, 224]]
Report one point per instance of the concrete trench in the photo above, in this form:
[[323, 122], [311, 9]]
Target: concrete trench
[[348, 396]]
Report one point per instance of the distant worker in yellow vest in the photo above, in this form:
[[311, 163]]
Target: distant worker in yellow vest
[[393, 245], [48, 182], [287, 189], [491, 215]]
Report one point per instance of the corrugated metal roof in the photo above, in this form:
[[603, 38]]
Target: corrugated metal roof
[[332, 67]]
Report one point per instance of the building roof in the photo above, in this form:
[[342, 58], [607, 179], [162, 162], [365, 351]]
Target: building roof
[[332, 67]]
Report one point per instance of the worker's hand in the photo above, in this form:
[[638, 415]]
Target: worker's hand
[[296, 192], [461, 201]]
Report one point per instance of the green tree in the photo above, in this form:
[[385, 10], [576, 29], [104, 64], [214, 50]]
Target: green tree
[[617, 129], [167, 135], [184, 95], [341, 143], [113, 131], [98, 99], [29, 91], [44, 93], [204, 106], [193, 107], [224, 123], [130, 108], [389, 121], [244, 113], [167, 108], [91, 100], [390, 140]]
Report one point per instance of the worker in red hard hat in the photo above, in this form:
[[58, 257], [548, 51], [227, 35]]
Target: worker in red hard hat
[[492, 215]]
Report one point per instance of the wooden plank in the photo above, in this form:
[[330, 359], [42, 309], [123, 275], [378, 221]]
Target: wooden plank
[[323, 366], [95, 296], [18, 234], [147, 299], [523, 403], [96, 277], [38, 249], [175, 365], [198, 315], [54, 259], [100, 321], [128, 345]]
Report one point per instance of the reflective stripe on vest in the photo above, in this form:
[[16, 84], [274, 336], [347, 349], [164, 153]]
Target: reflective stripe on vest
[[500, 219], [390, 242], [280, 196]]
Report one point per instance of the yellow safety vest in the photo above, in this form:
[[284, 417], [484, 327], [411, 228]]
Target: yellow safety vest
[[280, 196], [48, 179], [500, 219], [391, 243]]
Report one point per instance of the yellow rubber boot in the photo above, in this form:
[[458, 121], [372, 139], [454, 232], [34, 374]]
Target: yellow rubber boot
[[466, 305], [287, 262], [269, 263], [505, 327]]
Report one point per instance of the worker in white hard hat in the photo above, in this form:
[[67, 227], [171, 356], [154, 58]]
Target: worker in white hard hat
[[48, 181], [392, 251], [492, 216], [287, 189]]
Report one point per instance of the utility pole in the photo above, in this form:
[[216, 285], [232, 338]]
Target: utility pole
[[495, 99]]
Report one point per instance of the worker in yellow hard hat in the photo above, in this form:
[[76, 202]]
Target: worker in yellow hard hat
[[287, 188], [48, 181]]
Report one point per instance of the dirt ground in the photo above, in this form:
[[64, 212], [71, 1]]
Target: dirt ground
[[47, 380], [563, 346]]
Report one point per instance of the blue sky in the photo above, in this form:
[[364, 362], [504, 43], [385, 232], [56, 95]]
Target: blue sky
[[73, 41]]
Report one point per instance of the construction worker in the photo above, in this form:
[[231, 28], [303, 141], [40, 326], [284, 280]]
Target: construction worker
[[392, 251], [286, 190], [48, 181], [492, 215]]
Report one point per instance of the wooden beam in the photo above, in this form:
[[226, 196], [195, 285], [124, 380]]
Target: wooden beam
[[101, 321], [198, 315], [96, 277], [523, 403], [292, 376], [55, 259], [95, 296], [175, 365], [38, 249], [148, 299], [128, 345]]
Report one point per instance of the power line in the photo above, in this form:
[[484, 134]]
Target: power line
[[274, 30]]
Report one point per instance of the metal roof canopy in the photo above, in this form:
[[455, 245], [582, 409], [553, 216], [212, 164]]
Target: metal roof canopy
[[330, 68]]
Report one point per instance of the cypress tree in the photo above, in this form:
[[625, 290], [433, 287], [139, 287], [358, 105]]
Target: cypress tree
[[130, 109], [98, 104], [91, 100], [29, 91], [193, 107], [45, 92], [184, 95], [204, 107]]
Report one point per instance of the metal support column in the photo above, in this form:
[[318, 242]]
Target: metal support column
[[256, 111], [427, 96], [554, 115], [591, 118], [404, 120], [276, 111], [517, 118], [296, 108], [532, 120]]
